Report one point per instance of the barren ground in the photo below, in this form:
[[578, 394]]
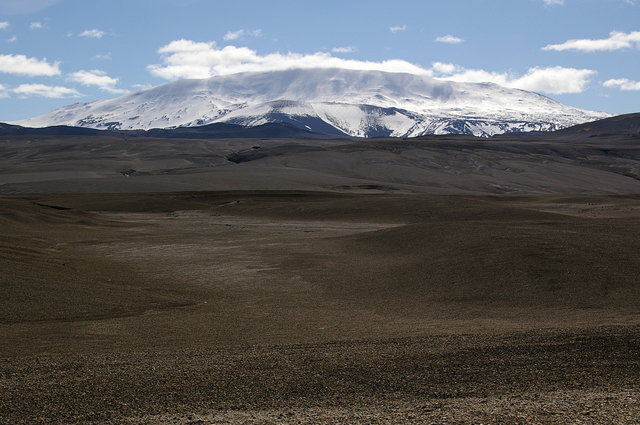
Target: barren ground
[[308, 307]]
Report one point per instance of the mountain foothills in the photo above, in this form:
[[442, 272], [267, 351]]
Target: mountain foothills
[[328, 101], [210, 131]]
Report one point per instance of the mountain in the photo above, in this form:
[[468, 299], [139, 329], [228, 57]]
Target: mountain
[[330, 101]]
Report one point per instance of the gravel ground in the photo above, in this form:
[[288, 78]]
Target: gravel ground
[[307, 308]]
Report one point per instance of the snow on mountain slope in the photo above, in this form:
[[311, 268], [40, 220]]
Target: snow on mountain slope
[[332, 101]]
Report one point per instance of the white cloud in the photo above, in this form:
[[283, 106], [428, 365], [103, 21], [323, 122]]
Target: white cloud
[[96, 78], [445, 68], [3, 92], [141, 86], [344, 49], [22, 65], [630, 2], [616, 41], [4, 25], [42, 90], [553, 2], [36, 25], [398, 28], [553, 80], [623, 84], [13, 39], [450, 39], [190, 59], [234, 35], [92, 34]]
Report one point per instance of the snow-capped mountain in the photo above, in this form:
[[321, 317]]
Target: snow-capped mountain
[[331, 101]]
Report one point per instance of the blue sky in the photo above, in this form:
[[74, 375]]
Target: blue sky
[[584, 53]]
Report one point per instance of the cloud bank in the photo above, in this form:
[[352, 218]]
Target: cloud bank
[[191, 59]]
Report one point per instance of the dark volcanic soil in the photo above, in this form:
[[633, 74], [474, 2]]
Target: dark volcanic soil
[[302, 307]]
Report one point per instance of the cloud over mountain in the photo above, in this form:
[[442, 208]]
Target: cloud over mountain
[[554, 80], [190, 59]]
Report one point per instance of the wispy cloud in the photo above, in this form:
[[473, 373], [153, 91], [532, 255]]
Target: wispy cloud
[[42, 90], [92, 33], [553, 2], [23, 65], [97, 78], [191, 59], [141, 86], [398, 28], [234, 35], [4, 92], [101, 57], [24, 6], [4, 25], [36, 25], [623, 84], [616, 41], [344, 49], [12, 39], [450, 39]]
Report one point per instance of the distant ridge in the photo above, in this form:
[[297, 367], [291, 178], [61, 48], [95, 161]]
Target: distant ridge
[[627, 125], [211, 131], [56, 130], [620, 125]]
